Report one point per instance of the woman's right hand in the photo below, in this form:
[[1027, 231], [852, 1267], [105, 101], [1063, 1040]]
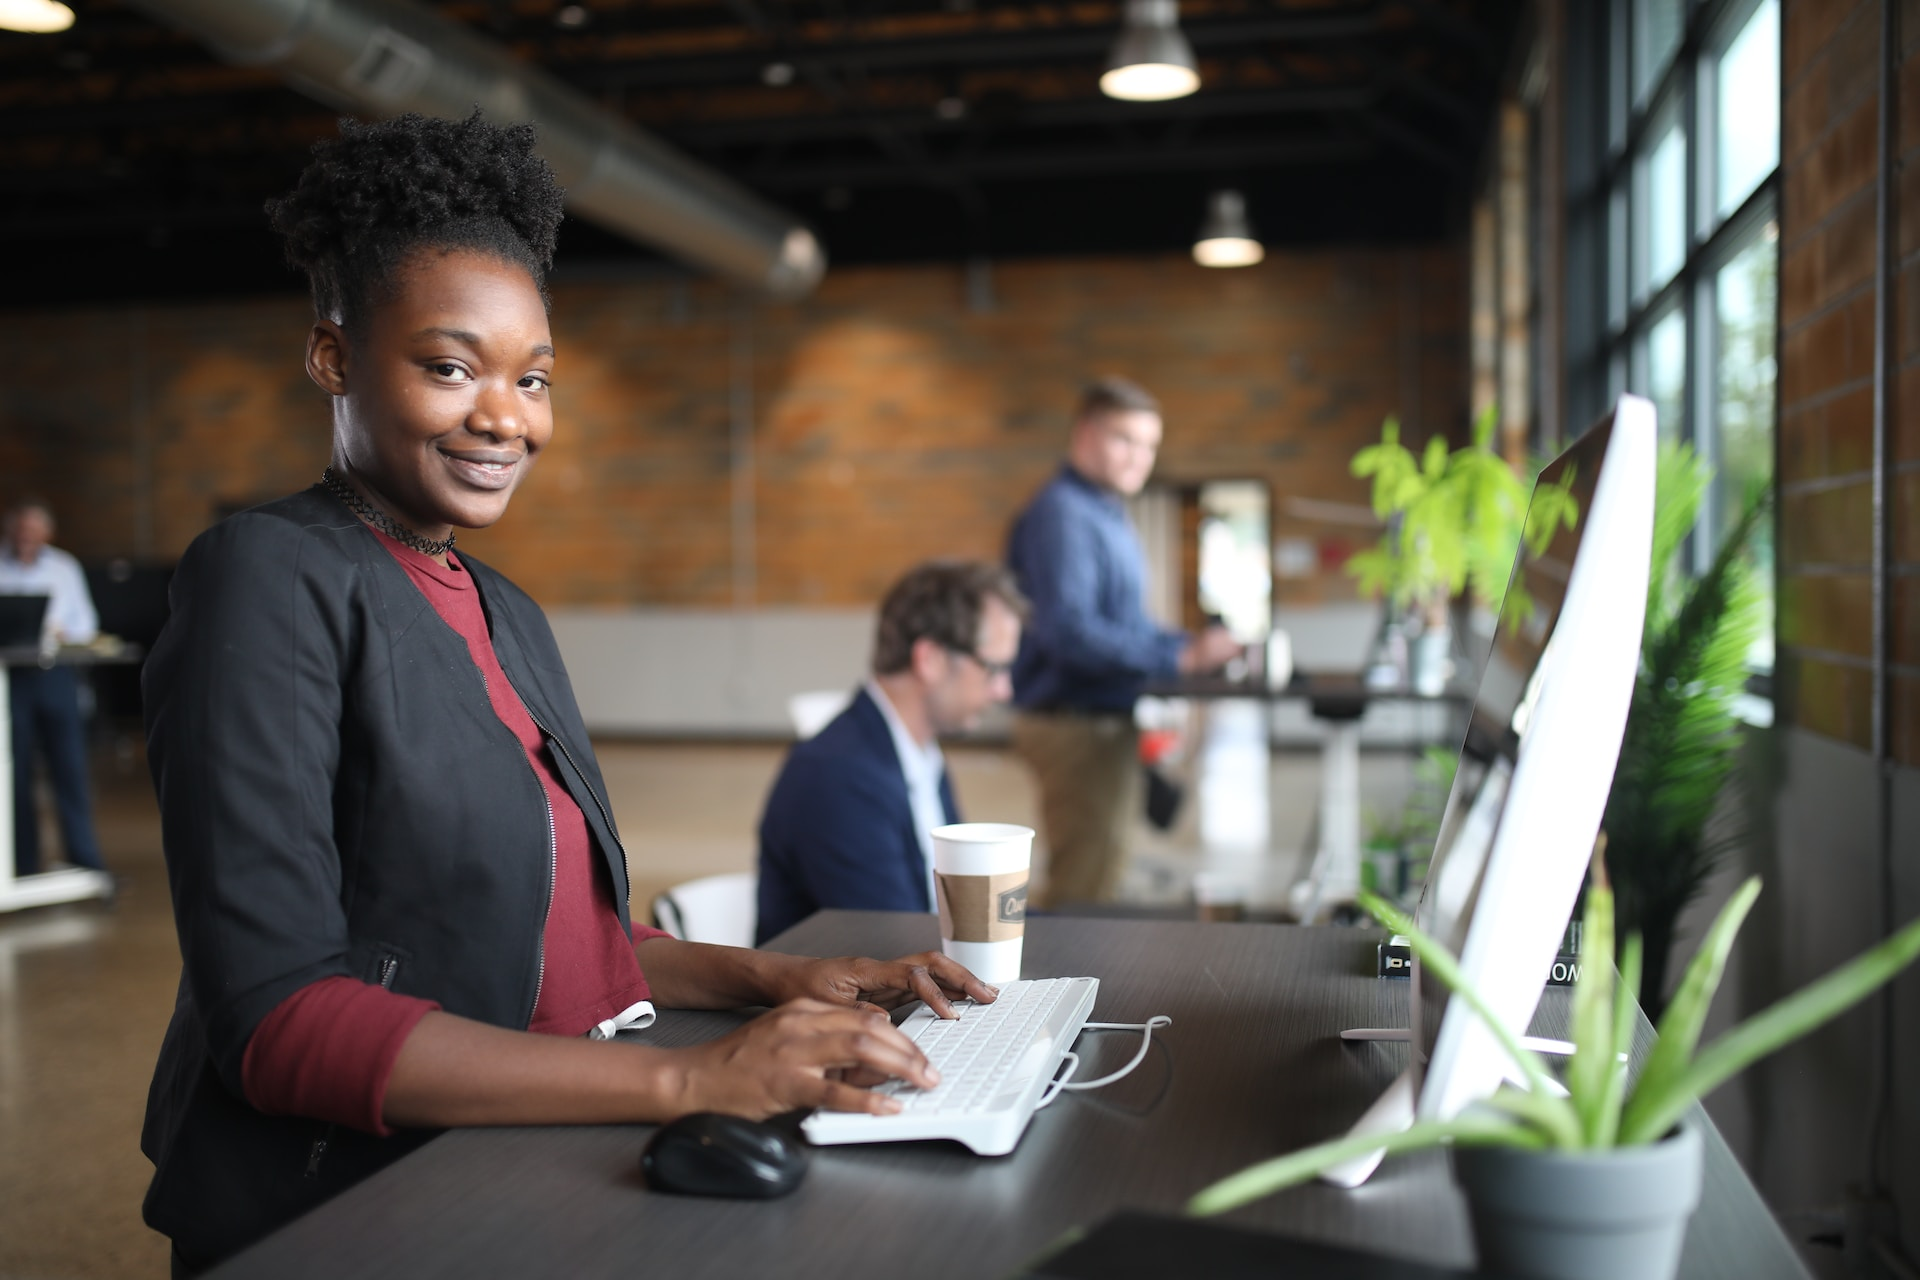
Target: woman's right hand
[[806, 1053]]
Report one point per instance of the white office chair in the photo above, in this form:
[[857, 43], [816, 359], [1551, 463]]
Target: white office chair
[[811, 712], [718, 909]]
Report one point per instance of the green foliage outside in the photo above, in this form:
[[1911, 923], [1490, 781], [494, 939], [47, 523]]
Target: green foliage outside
[[1683, 736], [1599, 1111]]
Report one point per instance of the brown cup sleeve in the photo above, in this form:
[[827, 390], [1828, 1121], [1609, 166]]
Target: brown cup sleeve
[[983, 908]]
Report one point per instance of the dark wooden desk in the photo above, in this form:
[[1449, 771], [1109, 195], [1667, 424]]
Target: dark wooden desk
[[1251, 1066]]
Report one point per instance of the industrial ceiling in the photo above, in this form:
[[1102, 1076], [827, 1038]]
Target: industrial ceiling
[[135, 159]]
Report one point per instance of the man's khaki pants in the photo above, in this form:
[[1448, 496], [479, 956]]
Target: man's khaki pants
[[1088, 770]]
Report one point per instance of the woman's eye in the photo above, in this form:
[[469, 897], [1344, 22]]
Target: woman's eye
[[447, 369], [535, 382]]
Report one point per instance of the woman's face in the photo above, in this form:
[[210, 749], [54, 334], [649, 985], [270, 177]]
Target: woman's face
[[441, 397]]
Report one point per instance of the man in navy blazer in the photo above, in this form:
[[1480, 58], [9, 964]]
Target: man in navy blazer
[[849, 820]]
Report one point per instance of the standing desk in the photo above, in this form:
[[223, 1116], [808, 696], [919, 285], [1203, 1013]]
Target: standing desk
[[1251, 1067], [1338, 700], [70, 884]]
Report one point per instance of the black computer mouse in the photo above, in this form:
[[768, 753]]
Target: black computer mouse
[[709, 1154]]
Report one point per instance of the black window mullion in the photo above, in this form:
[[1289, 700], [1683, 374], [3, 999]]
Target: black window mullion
[[1700, 25]]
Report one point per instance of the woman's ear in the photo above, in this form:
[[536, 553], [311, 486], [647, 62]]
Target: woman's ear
[[327, 357]]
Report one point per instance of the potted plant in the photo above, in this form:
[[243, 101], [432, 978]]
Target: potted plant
[[1453, 521], [1398, 848], [1683, 731], [1595, 1180]]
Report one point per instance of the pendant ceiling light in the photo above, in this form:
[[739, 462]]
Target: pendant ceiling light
[[36, 16], [1226, 238], [1151, 61]]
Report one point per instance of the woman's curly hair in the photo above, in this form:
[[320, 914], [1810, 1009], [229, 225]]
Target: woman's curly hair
[[379, 192]]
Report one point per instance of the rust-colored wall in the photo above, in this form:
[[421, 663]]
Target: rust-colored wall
[[888, 422], [1828, 294]]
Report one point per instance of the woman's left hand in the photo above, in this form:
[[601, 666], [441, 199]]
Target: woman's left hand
[[887, 984]]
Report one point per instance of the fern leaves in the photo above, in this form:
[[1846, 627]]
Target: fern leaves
[[1682, 734]]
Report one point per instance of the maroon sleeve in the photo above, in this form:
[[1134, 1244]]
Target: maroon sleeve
[[641, 932], [327, 1051]]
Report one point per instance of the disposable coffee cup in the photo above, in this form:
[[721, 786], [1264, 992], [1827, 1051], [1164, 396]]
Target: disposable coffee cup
[[980, 872]]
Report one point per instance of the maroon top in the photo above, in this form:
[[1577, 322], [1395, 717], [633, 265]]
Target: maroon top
[[327, 1051]]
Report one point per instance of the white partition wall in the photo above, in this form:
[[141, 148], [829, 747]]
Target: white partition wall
[[707, 671], [720, 672]]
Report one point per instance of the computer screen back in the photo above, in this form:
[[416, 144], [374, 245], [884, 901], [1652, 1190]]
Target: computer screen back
[[1542, 738], [1509, 683]]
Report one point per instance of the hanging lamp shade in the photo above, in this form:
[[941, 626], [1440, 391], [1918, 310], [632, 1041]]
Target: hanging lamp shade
[[34, 16], [1151, 60], [1226, 237]]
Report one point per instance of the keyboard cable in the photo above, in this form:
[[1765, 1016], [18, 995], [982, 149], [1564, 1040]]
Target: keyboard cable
[[1066, 1082]]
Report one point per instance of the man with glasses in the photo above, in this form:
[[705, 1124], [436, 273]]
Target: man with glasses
[[1090, 647], [849, 821]]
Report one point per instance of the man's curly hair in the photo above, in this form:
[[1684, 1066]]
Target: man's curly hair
[[380, 192]]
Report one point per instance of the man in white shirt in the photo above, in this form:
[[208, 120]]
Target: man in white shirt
[[46, 701], [849, 821]]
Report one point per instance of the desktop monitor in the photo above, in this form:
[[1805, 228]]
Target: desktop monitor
[[1537, 762]]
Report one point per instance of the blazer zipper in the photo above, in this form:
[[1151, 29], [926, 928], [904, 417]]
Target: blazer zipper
[[389, 969], [553, 854], [554, 738], [553, 874]]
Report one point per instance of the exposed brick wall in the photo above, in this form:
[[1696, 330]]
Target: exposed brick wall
[[1904, 486], [1828, 295], [888, 422]]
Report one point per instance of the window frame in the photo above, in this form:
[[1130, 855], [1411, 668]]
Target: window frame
[[1688, 89], [1609, 205]]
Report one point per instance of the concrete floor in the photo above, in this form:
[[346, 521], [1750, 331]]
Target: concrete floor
[[85, 991]]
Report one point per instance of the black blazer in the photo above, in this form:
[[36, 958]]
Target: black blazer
[[337, 797], [838, 829]]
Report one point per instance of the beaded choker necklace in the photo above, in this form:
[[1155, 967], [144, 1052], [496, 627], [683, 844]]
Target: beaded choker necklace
[[330, 480]]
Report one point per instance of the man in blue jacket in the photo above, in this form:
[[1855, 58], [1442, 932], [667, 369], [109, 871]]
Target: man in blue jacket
[[849, 821], [1090, 647]]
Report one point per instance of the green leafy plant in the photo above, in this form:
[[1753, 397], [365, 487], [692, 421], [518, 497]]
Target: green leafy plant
[[1683, 733], [1454, 518], [1598, 1111]]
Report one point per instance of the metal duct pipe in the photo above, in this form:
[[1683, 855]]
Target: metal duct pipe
[[387, 57]]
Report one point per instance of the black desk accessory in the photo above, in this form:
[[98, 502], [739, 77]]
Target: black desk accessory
[[710, 1154], [1145, 1246], [21, 618]]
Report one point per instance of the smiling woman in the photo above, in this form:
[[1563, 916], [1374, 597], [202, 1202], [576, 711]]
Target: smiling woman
[[439, 424], [390, 847], [431, 314]]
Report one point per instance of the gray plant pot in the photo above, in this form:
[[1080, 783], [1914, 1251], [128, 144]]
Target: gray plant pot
[[1598, 1215]]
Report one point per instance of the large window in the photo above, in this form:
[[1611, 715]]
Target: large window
[[1673, 190]]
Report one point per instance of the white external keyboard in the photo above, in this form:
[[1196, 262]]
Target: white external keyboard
[[995, 1062]]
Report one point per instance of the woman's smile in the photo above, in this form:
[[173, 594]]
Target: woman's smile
[[483, 468]]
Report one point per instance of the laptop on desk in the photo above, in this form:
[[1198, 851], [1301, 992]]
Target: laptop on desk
[[21, 620]]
